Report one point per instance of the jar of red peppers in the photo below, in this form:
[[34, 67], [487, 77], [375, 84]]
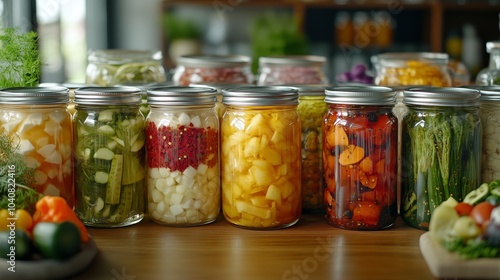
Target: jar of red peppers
[[360, 136], [292, 69], [182, 138], [441, 150], [311, 110], [36, 141], [110, 155], [261, 157], [208, 69]]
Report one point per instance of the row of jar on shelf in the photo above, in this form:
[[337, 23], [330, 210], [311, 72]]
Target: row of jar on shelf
[[115, 67], [276, 151]]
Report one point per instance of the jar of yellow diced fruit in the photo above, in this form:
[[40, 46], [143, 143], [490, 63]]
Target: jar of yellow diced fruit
[[261, 157], [35, 126]]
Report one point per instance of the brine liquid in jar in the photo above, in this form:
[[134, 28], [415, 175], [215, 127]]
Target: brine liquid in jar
[[212, 69], [292, 69], [182, 139], [261, 157], [360, 158], [441, 152], [36, 140], [109, 156]]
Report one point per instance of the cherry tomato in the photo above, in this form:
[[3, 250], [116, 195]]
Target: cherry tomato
[[463, 209], [481, 212], [24, 220]]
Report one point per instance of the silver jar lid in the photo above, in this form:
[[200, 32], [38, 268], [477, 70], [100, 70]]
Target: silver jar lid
[[441, 96], [488, 93], [213, 61], [400, 59], [108, 96], [261, 96], [365, 95], [182, 95], [293, 60], [34, 95]]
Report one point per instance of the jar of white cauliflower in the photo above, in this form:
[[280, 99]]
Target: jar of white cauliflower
[[261, 157], [182, 143]]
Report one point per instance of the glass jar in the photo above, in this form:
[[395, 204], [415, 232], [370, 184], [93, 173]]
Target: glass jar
[[413, 69], [212, 69], [441, 152], [489, 111], [491, 75], [36, 139], [110, 156], [113, 67], [261, 157], [292, 69], [311, 110], [182, 142], [360, 157], [219, 107]]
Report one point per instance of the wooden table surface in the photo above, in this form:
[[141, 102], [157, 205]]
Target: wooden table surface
[[311, 249]]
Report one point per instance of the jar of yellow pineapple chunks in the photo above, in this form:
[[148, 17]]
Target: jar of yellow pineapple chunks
[[261, 157]]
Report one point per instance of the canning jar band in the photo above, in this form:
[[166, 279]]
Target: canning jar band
[[261, 96], [487, 93], [182, 95], [366, 95], [34, 95], [441, 96], [108, 96]]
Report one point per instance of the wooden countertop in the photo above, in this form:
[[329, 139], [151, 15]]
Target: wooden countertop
[[311, 249]]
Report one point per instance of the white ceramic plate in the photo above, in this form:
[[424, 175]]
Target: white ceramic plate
[[50, 269]]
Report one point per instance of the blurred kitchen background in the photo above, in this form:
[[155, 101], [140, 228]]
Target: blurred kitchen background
[[346, 32]]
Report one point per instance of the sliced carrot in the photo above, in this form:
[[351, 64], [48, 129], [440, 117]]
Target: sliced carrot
[[337, 137], [353, 154], [366, 212], [366, 164], [380, 167]]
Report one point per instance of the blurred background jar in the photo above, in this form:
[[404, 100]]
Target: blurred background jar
[[292, 69], [491, 75], [182, 139], [261, 157], [37, 127], [441, 149], [114, 66], [360, 157], [212, 69], [110, 157], [311, 110]]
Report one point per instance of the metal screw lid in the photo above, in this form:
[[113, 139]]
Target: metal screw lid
[[34, 95], [261, 96], [361, 95], [441, 96], [108, 96], [488, 93], [182, 95]]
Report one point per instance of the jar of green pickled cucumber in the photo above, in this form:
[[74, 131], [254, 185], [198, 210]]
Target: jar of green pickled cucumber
[[311, 110], [182, 140], [131, 67], [261, 157], [110, 157]]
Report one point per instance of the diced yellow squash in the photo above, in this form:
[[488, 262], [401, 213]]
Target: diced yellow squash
[[271, 155], [245, 207], [251, 147], [274, 194]]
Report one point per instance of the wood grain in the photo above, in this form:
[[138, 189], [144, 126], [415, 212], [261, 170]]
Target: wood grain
[[311, 249]]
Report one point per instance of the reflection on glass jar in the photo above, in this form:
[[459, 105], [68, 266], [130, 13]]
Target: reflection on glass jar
[[360, 157], [109, 156], [113, 67], [182, 142], [261, 157], [441, 150], [212, 69], [36, 125], [292, 69]]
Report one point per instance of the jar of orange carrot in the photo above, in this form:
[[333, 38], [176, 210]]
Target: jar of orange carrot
[[36, 125], [360, 157]]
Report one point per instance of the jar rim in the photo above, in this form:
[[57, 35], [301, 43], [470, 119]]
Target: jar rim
[[213, 61], [492, 45], [125, 95], [441, 96], [292, 60], [487, 93], [121, 56], [34, 95], [182, 95], [261, 96], [398, 59], [361, 95]]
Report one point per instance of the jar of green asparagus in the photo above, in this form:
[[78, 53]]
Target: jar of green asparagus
[[109, 156], [441, 150]]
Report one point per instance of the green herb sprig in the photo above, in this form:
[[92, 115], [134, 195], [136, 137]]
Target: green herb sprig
[[20, 63]]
